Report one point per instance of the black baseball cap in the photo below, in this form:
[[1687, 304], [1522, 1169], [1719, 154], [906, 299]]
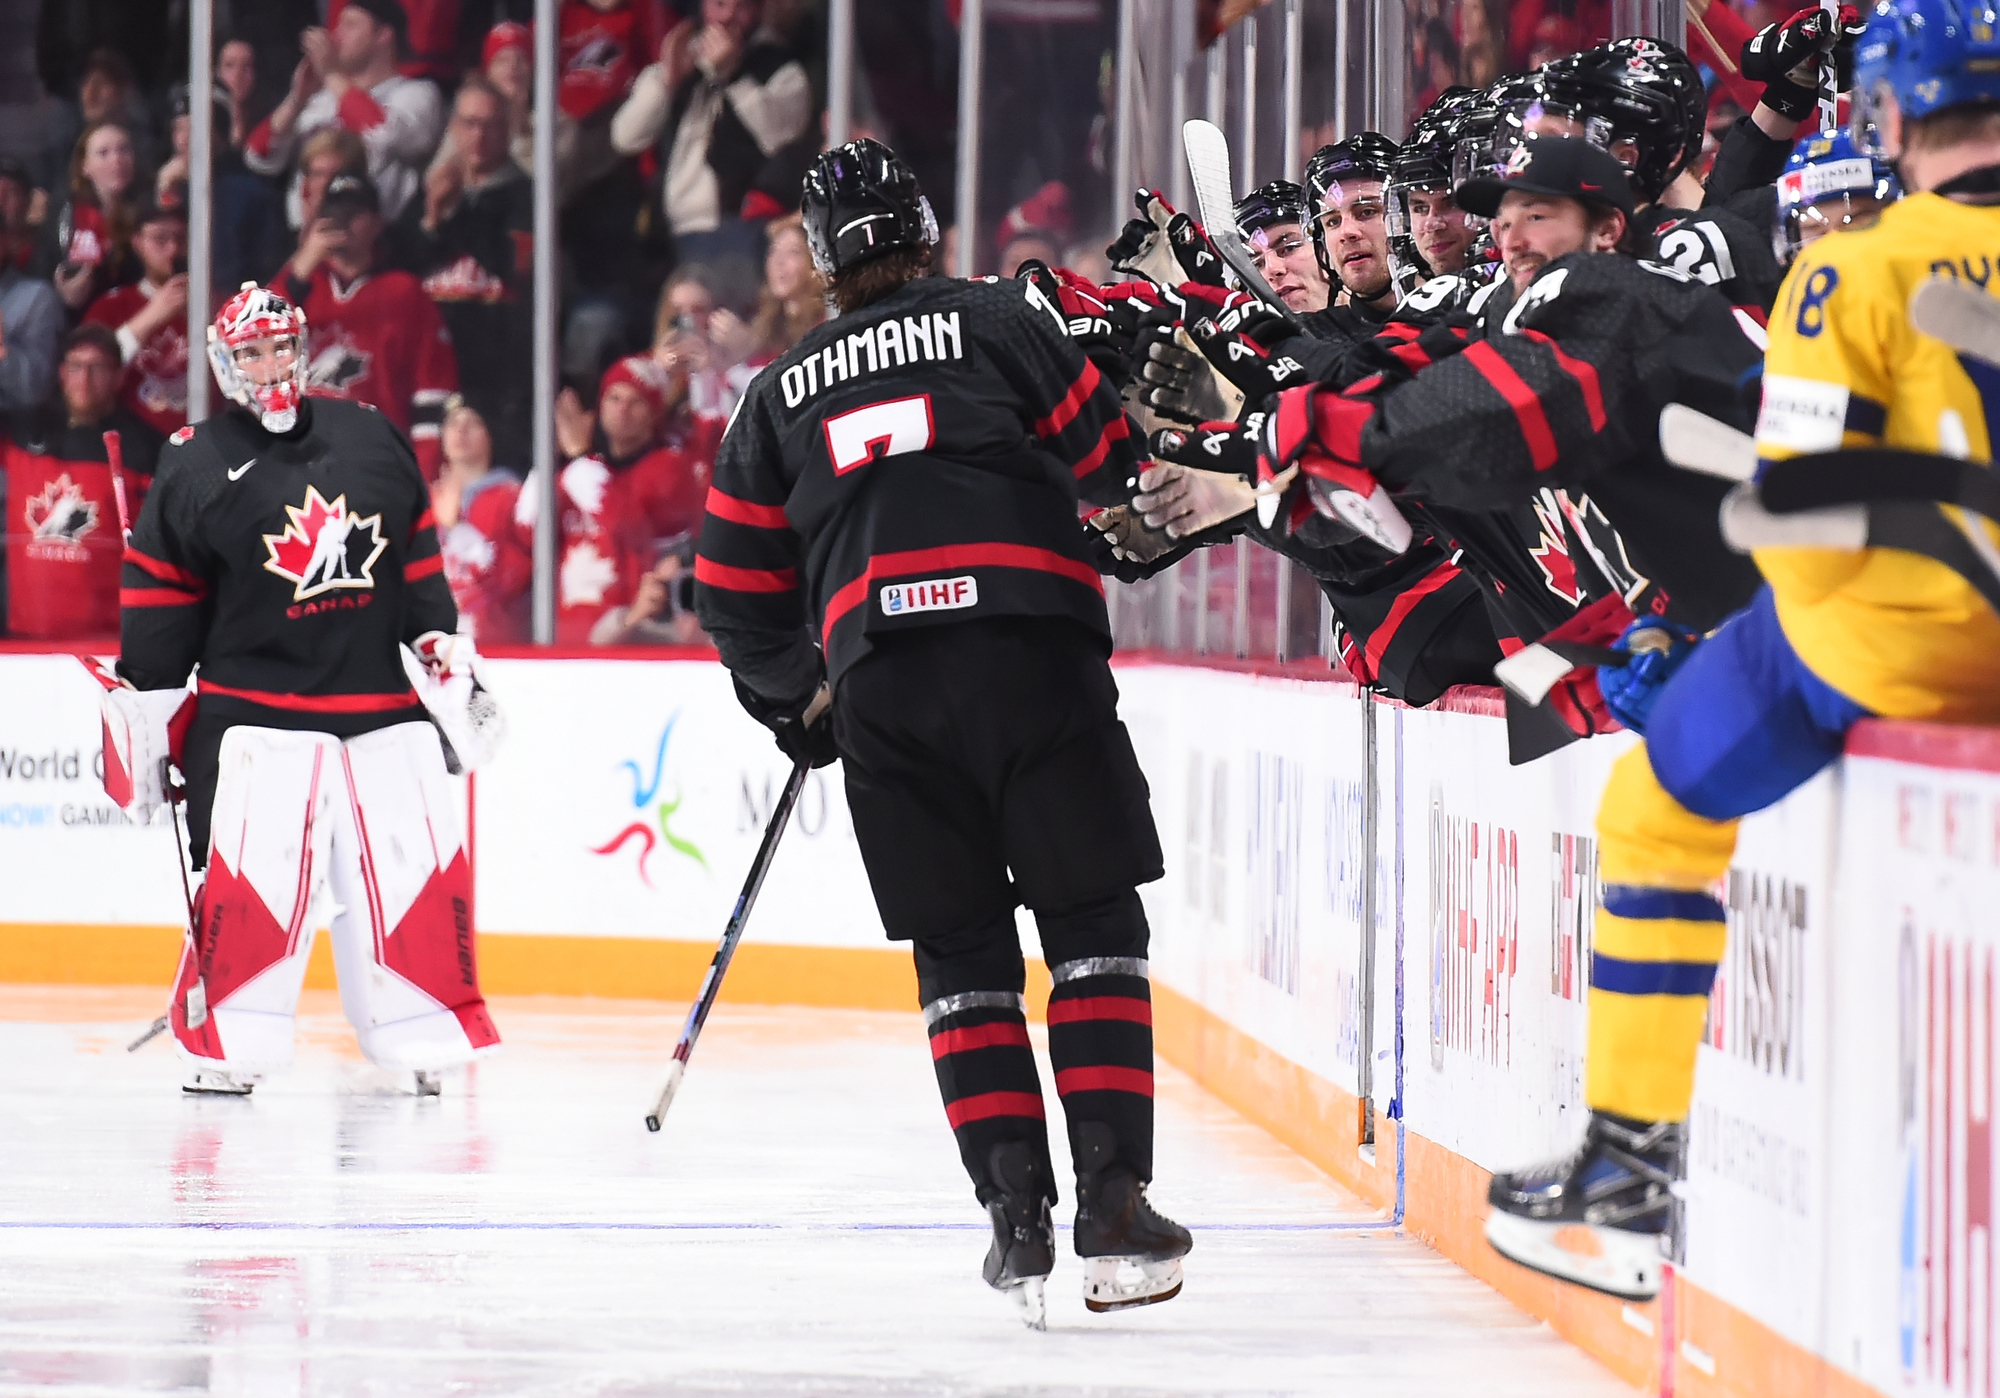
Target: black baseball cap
[[1566, 167], [389, 12], [347, 195]]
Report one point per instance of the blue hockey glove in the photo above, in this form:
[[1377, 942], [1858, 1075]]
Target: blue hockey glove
[[1658, 648]]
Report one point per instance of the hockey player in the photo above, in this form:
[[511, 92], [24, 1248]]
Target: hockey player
[[1829, 184], [894, 515], [1349, 234], [1422, 221], [287, 548], [1272, 219], [1643, 101], [1837, 635]]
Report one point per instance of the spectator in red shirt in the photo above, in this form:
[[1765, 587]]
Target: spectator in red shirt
[[371, 336], [633, 493], [149, 317], [432, 47], [86, 244], [474, 503], [64, 541], [349, 78]]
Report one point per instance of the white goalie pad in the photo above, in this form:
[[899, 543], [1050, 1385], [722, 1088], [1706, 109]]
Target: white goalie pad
[[142, 728], [370, 831]]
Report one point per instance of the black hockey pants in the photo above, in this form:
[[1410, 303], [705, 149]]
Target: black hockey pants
[[987, 749]]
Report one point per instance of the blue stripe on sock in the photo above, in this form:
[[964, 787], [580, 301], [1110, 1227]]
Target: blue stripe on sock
[[1622, 977], [1653, 904]]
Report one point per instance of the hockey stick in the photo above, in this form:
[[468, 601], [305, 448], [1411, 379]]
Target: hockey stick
[[114, 457], [1208, 162], [711, 984], [1963, 317], [1694, 441]]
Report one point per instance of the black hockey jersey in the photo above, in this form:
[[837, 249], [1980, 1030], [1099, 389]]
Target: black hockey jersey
[[1724, 245], [917, 462], [291, 567], [1550, 419]]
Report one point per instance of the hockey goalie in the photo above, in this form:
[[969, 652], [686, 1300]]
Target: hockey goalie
[[287, 550]]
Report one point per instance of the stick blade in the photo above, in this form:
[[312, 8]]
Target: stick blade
[[1208, 162], [1963, 316], [1694, 441]]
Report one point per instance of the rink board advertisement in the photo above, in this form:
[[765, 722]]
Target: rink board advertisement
[[1841, 1191]]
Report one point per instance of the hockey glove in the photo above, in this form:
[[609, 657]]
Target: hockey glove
[[1786, 57], [1176, 382], [1141, 250], [443, 670], [144, 732], [1085, 316], [1235, 332], [1125, 547], [1317, 430], [1196, 254], [1198, 480], [802, 728], [1658, 649]]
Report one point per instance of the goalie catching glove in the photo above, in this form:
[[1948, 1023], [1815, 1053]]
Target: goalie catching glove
[[443, 668]]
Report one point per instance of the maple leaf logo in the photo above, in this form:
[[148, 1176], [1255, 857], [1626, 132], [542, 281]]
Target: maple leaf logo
[[61, 514], [316, 553], [1552, 556]]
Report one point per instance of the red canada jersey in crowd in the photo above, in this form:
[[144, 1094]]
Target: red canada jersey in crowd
[[433, 46], [485, 563], [155, 382], [600, 52], [616, 518], [379, 340], [64, 539]]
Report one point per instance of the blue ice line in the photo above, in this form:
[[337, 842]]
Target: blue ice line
[[277, 1226]]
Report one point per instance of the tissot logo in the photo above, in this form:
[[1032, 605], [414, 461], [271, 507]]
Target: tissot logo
[[324, 547]]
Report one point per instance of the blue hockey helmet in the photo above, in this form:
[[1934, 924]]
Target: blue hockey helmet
[[1930, 55], [1829, 183]]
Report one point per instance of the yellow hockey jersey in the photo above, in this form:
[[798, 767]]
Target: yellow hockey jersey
[[1898, 632]]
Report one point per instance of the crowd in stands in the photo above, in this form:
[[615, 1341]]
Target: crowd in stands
[[374, 162]]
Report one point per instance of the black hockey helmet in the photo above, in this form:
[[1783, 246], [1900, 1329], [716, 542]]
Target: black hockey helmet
[[1638, 90], [1424, 161], [1280, 201], [861, 201], [1366, 155]]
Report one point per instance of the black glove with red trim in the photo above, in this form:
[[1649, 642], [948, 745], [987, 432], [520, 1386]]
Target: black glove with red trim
[[1236, 337], [1087, 318], [1786, 57]]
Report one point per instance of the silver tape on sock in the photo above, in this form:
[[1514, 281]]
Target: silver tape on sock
[[974, 1000], [1099, 966]]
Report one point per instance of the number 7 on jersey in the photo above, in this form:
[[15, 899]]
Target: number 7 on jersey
[[862, 435]]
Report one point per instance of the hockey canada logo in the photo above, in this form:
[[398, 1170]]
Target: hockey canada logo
[[61, 514], [324, 547], [337, 366]]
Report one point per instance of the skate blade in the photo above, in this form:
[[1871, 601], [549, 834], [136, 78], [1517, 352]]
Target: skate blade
[[1120, 1283], [429, 1085], [202, 1083], [1611, 1260], [1030, 1298]]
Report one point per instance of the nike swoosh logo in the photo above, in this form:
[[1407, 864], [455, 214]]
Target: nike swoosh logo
[[236, 472]]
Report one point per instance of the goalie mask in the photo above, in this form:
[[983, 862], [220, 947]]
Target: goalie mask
[[257, 349], [861, 201]]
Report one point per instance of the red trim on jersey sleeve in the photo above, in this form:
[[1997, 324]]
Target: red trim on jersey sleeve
[[895, 565], [736, 511], [427, 519], [423, 568], [732, 579], [312, 703], [1528, 414], [359, 111], [1065, 412], [164, 571], [1117, 430], [1585, 375]]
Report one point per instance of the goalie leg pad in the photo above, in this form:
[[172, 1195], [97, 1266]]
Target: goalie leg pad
[[239, 981], [403, 939]]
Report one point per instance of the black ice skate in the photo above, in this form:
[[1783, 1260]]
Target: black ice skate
[[1131, 1252], [1599, 1216], [1024, 1240]]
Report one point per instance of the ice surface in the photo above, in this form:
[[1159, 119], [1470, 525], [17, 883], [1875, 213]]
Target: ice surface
[[800, 1227]]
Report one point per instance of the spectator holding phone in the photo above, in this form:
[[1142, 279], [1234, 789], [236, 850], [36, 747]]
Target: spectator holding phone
[[149, 318], [706, 345], [85, 247]]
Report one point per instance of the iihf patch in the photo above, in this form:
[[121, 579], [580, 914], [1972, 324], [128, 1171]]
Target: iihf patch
[[931, 595]]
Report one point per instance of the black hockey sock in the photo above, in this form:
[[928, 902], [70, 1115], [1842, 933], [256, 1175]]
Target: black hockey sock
[[985, 1068], [1101, 1024]]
